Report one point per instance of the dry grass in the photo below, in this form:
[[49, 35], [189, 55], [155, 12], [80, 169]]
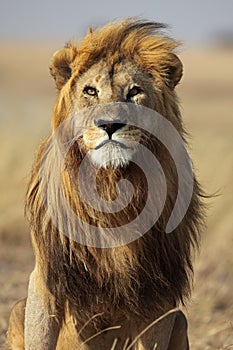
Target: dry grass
[[26, 100]]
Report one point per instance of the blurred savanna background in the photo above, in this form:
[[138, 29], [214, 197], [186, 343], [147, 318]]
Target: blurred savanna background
[[29, 34]]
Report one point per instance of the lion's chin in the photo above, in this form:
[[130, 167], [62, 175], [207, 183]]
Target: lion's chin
[[111, 155]]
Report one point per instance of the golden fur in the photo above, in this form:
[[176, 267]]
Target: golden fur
[[141, 280]]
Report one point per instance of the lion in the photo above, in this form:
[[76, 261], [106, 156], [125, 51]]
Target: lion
[[86, 293]]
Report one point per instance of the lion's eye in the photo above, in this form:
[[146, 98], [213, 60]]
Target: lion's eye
[[91, 91], [134, 91]]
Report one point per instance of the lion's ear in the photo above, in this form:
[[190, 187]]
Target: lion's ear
[[60, 65], [174, 71]]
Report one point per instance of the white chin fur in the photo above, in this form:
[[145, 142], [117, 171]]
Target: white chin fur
[[111, 156]]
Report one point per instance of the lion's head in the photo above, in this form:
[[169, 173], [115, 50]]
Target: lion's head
[[126, 62], [122, 67]]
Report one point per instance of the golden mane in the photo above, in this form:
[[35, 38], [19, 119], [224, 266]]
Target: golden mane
[[152, 270]]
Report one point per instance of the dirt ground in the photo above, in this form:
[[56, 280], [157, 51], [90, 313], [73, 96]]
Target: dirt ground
[[26, 98]]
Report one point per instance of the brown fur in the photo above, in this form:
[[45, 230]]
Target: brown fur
[[154, 271]]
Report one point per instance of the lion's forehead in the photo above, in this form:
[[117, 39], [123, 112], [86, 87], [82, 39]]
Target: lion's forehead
[[119, 79], [112, 82], [105, 75]]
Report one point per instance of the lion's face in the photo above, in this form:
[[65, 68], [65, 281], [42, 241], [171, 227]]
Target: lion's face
[[115, 65], [108, 138]]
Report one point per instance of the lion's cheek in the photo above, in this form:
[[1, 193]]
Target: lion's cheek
[[93, 138]]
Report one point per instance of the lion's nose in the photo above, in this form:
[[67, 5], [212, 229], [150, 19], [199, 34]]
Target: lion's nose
[[110, 126]]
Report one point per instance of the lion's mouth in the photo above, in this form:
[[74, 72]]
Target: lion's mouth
[[112, 142]]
